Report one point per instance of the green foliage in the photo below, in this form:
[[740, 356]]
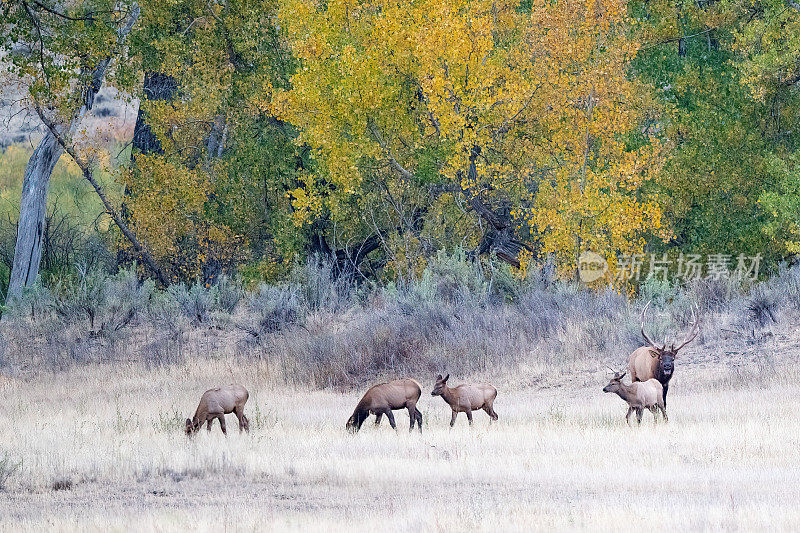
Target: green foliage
[[216, 196], [726, 135], [784, 202], [53, 44], [251, 198]]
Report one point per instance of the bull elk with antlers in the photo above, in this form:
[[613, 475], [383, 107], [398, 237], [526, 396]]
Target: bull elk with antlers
[[658, 362]]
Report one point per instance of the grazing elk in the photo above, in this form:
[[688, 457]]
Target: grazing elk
[[466, 398], [216, 403], [652, 361], [383, 398], [640, 396]]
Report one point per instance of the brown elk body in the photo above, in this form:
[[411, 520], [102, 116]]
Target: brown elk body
[[215, 404], [657, 362], [639, 396], [384, 398], [466, 398]]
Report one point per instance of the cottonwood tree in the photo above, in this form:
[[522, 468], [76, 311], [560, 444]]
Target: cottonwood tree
[[731, 109], [521, 114], [63, 52], [209, 164], [767, 42]]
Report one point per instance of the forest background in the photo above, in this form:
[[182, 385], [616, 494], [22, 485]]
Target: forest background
[[374, 136]]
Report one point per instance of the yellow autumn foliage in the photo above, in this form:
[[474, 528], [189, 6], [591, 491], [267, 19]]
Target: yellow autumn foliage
[[542, 91]]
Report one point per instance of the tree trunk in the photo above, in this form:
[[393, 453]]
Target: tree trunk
[[88, 174], [156, 87], [33, 205], [500, 237], [344, 262]]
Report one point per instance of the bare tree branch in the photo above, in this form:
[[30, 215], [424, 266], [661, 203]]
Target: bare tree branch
[[88, 174], [62, 15], [405, 174]]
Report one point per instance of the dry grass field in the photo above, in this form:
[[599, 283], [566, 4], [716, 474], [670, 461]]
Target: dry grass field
[[101, 447], [92, 418]]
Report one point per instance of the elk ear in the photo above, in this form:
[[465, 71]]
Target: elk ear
[[653, 353], [446, 378], [438, 377]]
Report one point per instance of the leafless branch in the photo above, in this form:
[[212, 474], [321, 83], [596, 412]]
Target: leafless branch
[[88, 174], [405, 174]]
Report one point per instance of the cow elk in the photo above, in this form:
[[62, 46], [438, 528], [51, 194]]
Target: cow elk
[[216, 403], [658, 362], [640, 396], [466, 398], [384, 398]]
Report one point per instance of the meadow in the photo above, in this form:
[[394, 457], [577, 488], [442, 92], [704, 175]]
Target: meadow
[[97, 443], [101, 448]]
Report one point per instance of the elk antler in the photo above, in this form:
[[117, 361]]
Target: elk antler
[[692, 332], [646, 338]]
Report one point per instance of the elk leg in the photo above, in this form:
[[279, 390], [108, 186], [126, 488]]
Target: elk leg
[[654, 409], [664, 412], [222, 424], [245, 423], [469, 417], [412, 415], [453, 419], [208, 425], [639, 413], [628, 415], [666, 388], [491, 413], [378, 418], [418, 416], [390, 416], [239, 412]]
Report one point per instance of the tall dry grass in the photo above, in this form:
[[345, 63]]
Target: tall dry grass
[[101, 447]]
